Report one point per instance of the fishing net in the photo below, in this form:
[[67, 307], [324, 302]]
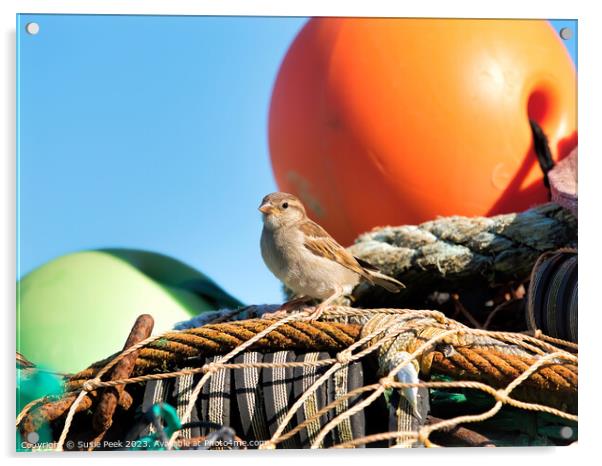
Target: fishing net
[[356, 377]]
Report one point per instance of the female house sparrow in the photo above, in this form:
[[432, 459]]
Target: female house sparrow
[[302, 255]]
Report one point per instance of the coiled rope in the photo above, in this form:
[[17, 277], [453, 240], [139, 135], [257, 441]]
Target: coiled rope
[[451, 252]]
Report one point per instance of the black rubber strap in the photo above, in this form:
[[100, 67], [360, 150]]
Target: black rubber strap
[[249, 397], [277, 384], [542, 150], [214, 400]]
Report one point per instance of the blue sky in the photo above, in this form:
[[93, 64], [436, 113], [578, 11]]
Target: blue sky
[[150, 132]]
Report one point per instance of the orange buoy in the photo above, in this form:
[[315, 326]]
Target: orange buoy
[[396, 121]]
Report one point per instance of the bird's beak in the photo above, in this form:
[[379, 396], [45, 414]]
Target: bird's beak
[[265, 208]]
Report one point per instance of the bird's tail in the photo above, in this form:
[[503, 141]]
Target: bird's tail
[[388, 283]]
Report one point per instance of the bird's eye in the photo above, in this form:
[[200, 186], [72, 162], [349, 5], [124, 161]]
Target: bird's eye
[[285, 205]]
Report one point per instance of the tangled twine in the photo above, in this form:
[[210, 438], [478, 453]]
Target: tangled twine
[[540, 375]]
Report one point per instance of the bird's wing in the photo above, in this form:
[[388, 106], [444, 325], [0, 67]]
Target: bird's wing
[[366, 265], [320, 243]]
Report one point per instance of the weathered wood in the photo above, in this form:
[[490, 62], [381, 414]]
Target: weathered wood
[[458, 436], [563, 182]]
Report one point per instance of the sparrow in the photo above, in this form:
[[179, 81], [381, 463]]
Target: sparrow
[[303, 256]]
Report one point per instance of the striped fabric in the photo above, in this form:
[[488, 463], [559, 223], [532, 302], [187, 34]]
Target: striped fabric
[[277, 384], [250, 398], [254, 401], [339, 387], [402, 417], [215, 399], [182, 390], [304, 378]]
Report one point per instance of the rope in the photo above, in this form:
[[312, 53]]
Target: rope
[[237, 350], [554, 384], [542, 375], [557, 341], [454, 252], [482, 355], [29, 406], [69, 419], [172, 348], [343, 358]]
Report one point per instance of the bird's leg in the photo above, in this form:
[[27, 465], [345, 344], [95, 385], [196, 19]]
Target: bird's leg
[[317, 313], [283, 310]]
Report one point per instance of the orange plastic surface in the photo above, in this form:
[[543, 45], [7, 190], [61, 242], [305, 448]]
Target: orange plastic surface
[[397, 121]]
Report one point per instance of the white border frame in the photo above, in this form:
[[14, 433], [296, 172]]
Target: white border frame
[[590, 80]]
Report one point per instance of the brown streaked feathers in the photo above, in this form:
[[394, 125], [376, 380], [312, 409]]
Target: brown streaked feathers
[[320, 243], [306, 258]]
